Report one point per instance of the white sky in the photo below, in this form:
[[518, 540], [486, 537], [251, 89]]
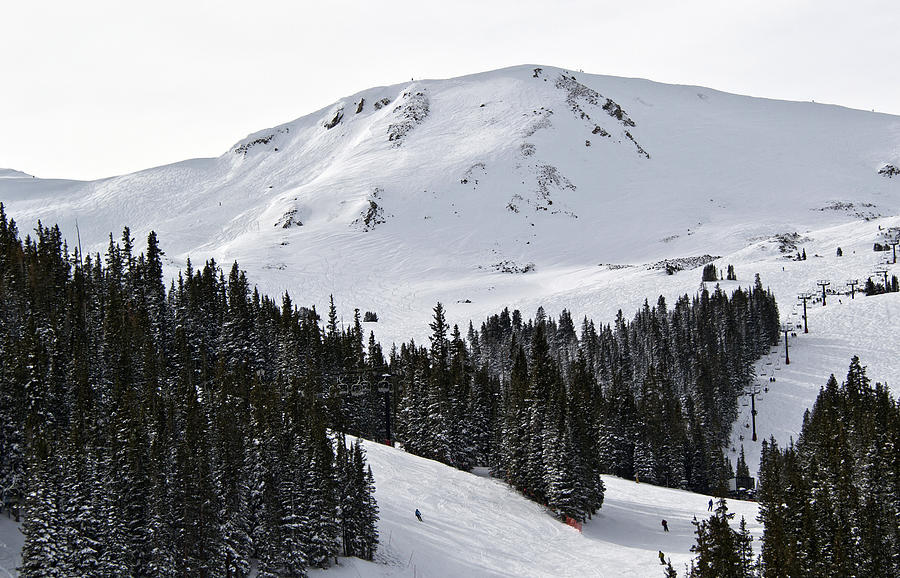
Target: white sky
[[92, 88]]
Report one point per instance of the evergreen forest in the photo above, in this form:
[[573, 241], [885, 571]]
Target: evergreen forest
[[829, 503], [550, 407], [198, 428], [147, 432]]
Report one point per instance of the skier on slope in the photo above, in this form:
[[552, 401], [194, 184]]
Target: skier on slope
[[709, 509], [418, 514], [662, 558], [665, 525]]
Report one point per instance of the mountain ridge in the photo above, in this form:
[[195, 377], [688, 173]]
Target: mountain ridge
[[494, 188]]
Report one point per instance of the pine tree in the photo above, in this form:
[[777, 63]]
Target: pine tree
[[721, 551], [742, 471]]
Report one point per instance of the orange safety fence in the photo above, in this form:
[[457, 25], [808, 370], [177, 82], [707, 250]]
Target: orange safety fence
[[574, 523]]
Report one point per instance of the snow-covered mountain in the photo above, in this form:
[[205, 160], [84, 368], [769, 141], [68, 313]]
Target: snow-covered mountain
[[519, 183], [520, 187], [523, 187]]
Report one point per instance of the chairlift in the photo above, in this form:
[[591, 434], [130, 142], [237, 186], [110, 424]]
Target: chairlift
[[342, 388], [384, 386], [357, 389], [745, 403]]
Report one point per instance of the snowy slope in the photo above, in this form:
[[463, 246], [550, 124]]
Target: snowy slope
[[492, 171], [476, 526], [844, 327]]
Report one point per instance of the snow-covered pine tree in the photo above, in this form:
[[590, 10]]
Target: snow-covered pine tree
[[722, 552]]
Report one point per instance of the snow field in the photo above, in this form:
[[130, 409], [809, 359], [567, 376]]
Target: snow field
[[477, 526]]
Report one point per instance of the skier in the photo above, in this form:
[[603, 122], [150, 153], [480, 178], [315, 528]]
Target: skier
[[709, 509], [662, 558], [665, 525], [418, 514]]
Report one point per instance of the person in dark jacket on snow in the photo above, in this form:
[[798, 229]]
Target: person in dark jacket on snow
[[665, 526], [418, 514]]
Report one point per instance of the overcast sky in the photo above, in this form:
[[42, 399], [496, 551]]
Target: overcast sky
[[92, 88]]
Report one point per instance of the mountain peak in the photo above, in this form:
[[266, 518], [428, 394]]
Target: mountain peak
[[502, 187]]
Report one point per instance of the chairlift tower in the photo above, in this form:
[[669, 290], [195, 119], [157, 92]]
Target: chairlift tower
[[805, 296], [892, 240], [883, 271], [823, 283], [786, 328], [384, 387], [753, 393], [852, 283]]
